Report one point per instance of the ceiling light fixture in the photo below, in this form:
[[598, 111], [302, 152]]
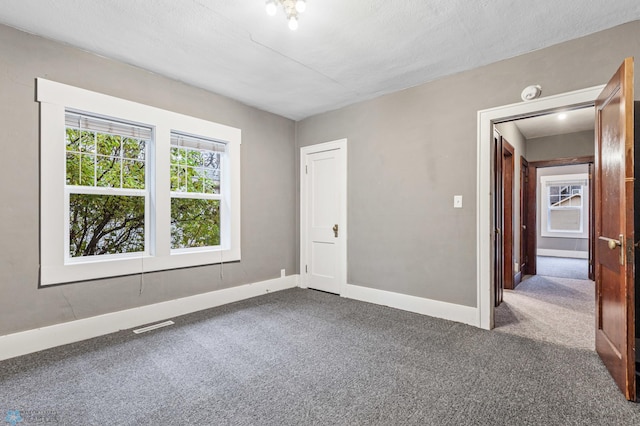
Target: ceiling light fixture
[[292, 8]]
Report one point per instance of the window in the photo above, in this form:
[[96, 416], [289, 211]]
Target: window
[[105, 188], [128, 188], [564, 206], [195, 191]]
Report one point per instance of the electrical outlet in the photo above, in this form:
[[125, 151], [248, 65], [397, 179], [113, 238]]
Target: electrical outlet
[[282, 273], [457, 201]]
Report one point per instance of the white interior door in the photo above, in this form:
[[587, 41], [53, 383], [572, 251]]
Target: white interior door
[[323, 216]]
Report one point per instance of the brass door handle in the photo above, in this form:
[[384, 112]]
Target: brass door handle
[[611, 243], [335, 230]]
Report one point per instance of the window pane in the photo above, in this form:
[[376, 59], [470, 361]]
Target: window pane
[[133, 174], [565, 220], [88, 142], [175, 155], [201, 171], [175, 178], [108, 171], [194, 223], [575, 201], [194, 180], [194, 158], [105, 224], [212, 172], [73, 140], [109, 144], [133, 148], [182, 156], [80, 169]]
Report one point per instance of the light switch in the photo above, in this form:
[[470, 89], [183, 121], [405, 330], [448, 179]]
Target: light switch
[[457, 201]]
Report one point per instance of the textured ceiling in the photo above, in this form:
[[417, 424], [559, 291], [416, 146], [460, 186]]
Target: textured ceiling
[[343, 52], [577, 120]]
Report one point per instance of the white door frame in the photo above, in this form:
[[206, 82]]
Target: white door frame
[[340, 144], [484, 237]]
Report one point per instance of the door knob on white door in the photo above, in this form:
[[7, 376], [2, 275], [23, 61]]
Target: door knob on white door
[[335, 230]]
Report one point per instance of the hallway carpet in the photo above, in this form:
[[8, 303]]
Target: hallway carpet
[[550, 309], [563, 267]]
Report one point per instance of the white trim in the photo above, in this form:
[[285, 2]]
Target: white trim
[[575, 254], [340, 144], [419, 305], [484, 231], [54, 98], [22, 343]]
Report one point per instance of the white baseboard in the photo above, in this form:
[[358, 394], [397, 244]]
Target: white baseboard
[[563, 253], [434, 308], [16, 344]]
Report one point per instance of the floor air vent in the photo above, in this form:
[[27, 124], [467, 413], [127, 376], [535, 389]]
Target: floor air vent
[[153, 327]]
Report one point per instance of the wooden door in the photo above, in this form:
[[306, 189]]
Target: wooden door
[[532, 221], [508, 166], [499, 221], [592, 225], [524, 217], [614, 228]]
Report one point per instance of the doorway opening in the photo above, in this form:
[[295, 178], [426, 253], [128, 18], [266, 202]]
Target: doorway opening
[[486, 180], [543, 227], [542, 203], [556, 300]]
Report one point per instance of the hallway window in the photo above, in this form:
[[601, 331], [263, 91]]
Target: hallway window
[[564, 205]]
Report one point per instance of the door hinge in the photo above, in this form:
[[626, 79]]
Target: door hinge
[[306, 170], [306, 269]]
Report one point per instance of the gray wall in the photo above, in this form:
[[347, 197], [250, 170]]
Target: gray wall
[[511, 134], [561, 146], [559, 243], [268, 186], [411, 151]]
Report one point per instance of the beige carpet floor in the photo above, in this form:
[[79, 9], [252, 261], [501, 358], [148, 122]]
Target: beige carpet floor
[[550, 309]]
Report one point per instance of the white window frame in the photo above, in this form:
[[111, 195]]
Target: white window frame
[[545, 183], [54, 99]]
